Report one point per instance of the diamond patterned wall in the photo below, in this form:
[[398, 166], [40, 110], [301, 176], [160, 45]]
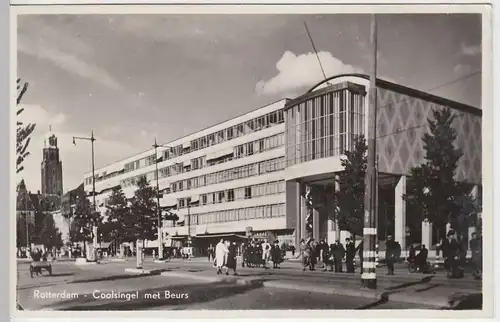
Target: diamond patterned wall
[[401, 124]]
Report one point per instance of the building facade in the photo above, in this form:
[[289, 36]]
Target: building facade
[[255, 172], [221, 181], [321, 126], [51, 168]]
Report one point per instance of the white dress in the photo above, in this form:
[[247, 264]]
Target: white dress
[[266, 252], [220, 254]]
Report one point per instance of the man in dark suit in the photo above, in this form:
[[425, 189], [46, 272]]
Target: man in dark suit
[[350, 254], [390, 254]]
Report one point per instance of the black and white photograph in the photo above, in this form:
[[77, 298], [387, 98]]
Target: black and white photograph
[[230, 160]]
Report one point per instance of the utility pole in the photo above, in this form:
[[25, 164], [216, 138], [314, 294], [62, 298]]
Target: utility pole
[[27, 222], [160, 235], [369, 276], [94, 224]]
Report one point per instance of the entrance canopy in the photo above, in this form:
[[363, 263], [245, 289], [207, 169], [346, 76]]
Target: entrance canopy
[[221, 235]]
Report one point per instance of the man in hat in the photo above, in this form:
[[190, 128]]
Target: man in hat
[[338, 256], [390, 254], [349, 255]]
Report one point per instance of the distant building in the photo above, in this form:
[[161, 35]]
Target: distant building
[[51, 168]]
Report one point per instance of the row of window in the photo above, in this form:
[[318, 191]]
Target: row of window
[[259, 212], [250, 126], [259, 146], [241, 193], [254, 125], [241, 172], [324, 126]]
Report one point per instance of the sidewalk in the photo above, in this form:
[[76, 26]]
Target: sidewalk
[[424, 292]]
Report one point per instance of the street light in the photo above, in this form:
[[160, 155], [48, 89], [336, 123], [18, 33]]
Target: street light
[[94, 227], [160, 235]]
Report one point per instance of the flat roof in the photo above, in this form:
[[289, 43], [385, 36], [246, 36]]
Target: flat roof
[[393, 87]]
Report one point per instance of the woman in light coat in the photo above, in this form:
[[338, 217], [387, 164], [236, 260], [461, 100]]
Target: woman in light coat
[[220, 256]]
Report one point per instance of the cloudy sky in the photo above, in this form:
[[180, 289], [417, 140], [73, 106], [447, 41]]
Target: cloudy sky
[[132, 78]]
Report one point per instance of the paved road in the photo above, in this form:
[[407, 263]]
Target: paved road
[[107, 278]]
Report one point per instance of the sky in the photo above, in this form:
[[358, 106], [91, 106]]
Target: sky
[[134, 78]]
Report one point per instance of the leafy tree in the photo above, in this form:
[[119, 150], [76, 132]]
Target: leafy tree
[[142, 221], [433, 190], [49, 235], [21, 231], [23, 131], [349, 200], [83, 219], [118, 214]]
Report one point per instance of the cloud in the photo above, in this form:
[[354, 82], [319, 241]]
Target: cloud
[[298, 72], [471, 50], [76, 160], [57, 44]]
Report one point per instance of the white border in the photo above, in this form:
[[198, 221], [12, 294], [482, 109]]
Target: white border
[[268, 9]]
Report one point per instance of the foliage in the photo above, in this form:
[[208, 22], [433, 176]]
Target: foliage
[[49, 235], [83, 219], [117, 215], [21, 230], [24, 131], [433, 189], [142, 221], [349, 200]]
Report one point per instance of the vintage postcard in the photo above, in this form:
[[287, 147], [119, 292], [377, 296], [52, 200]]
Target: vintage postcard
[[252, 161]]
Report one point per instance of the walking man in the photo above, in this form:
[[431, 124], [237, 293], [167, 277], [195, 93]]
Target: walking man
[[338, 256], [350, 254], [390, 254]]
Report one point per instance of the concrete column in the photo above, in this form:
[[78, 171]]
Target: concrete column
[[337, 228], [316, 224], [400, 213], [293, 209], [427, 234], [303, 213]]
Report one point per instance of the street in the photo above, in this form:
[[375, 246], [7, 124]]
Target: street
[[194, 287]]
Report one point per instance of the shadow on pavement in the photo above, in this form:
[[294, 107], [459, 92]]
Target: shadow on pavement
[[427, 288], [197, 293], [424, 280], [466, 302]]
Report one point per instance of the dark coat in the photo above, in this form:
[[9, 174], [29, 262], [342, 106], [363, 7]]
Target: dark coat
[[276, 254], [231, 257]]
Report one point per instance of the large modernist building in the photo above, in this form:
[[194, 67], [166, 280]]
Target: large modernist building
[[253, 172]]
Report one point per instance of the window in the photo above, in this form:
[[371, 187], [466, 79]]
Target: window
[[230, 133], [250, 148], [230, 195], [204, 199], [248, 193]]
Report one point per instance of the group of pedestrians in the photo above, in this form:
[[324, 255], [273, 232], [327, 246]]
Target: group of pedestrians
[[259, 254], [224, 257], [332, 255], [454, 249]]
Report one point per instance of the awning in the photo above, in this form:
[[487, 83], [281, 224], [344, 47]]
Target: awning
[[166, 202], [221, 235], [195, 198], [186, 145], [220, 154], [187, 163]]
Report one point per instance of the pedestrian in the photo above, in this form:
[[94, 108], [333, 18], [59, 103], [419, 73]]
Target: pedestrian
[[231, 258], [390, 254], [305, 252], [476, 255], [220, 256], [276, 255], [421, 260], [325, 255], [313, 254], [338, 256], [411, 254], [266, 252], [210, 253], [350, 254]]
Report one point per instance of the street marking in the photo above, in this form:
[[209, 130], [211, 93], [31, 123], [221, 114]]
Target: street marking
[[368, 276], [369, 231]]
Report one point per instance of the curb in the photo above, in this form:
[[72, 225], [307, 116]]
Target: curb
[[210, 279], [325, 289]]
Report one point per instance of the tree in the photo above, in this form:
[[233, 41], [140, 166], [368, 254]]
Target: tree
[[49, 235], [142, 221], [349, 200], [433, 190], [23, 131], [21, 230], [118, 214], [83, 218]]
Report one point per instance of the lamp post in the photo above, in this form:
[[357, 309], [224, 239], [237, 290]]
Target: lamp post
[[160, 235], [94, 224]]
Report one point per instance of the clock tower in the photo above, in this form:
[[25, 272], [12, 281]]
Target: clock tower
[[51, 167]]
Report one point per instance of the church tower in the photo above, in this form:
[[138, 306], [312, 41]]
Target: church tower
[[52, 182]]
